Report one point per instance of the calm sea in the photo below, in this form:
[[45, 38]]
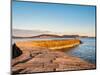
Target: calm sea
[[86, 50]]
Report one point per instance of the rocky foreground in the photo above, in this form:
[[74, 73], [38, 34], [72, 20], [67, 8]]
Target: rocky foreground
[[37, 59]]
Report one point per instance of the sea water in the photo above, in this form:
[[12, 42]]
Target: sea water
[[86, 50]]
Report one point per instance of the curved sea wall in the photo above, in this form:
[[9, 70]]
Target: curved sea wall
[[51, 44]]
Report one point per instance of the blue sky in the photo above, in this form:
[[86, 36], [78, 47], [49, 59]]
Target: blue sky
[[60, 18]]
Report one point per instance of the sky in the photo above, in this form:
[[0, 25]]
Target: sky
[[57, 18]]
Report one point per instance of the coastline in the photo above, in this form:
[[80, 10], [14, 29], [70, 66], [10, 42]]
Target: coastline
[[41, 59]]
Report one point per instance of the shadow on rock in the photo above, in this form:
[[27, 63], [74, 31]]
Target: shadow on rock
[[15, 51]]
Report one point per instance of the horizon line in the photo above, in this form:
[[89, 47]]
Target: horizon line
[[55, 33]]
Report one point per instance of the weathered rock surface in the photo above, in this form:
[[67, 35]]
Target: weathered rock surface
[[36, 59]]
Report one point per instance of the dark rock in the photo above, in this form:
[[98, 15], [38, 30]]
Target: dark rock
[[81, 42], [16, 51]]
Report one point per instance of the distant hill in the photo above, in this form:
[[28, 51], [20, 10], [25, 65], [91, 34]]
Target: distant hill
[[70, 36], [49, 36], [18, 33]]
